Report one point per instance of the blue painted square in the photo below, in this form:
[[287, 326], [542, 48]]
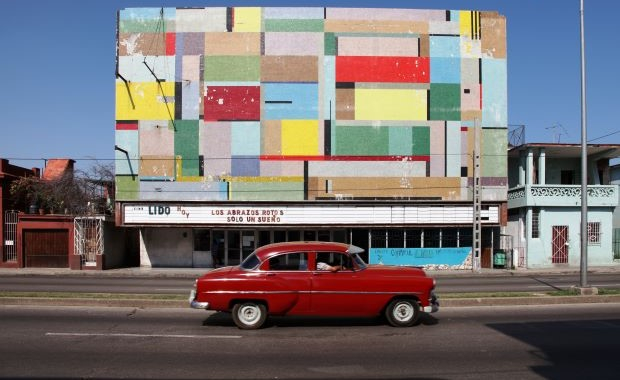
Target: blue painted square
[[290, 101], [245, 138], [445, 70], [245, 166], [445, 46]]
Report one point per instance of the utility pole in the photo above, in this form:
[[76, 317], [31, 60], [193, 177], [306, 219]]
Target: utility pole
[[583, 283], [477, 204]]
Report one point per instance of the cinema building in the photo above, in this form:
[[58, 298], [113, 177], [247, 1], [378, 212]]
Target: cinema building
[[238, 127]]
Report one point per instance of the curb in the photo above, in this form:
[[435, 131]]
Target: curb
[[525, 301], [92, 302], [449, 302]]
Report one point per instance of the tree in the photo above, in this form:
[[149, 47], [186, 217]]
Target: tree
[[76, 193]]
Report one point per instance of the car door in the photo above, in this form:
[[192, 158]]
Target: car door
[[287, 283], [337, 293]]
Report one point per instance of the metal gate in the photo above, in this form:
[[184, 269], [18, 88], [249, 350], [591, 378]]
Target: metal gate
[[9, 253], [46, 248], [88, 239], [559, 245]]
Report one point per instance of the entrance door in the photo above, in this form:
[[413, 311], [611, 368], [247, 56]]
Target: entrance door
[[233, 248], [559, 245], [218, 248], [248, 243], [201, 256]]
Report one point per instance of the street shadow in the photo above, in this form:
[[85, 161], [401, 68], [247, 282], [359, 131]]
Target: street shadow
[[550, 285], [572, 349], [224, 319]]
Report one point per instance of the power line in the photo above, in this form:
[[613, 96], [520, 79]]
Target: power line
[[607, 135]]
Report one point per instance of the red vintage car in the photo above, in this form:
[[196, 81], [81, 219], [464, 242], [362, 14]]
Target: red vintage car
[[314, 279]]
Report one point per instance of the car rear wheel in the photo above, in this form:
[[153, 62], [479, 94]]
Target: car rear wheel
[[402, 312], [249, 315]]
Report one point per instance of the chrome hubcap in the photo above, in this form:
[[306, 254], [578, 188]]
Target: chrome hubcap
[[403, 312], [249, 314]]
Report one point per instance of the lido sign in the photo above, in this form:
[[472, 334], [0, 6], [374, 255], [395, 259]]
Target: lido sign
[[194, 214]]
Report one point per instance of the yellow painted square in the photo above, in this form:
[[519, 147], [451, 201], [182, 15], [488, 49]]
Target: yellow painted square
[[149, 103], [300, 137], [390, 104], [465, 23], [247, 20]]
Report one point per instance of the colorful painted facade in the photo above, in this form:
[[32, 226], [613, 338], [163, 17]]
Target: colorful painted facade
[[295, 104]]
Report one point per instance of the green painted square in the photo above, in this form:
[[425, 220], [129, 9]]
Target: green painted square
[[267, 191], [186, 146], [127, 188], [330, 44], [400, 141], [142, 26], [297, 25], [421, 141], [494, 147], [445, 101], [362, 141], [232, 68]]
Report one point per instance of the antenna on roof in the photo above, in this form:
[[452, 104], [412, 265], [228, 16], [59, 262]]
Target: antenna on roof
[[558, 131]]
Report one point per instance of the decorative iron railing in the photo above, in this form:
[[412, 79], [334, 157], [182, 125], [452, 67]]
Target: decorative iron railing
[[561, 195]]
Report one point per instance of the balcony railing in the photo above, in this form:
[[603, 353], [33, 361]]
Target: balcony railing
[[562, 196]]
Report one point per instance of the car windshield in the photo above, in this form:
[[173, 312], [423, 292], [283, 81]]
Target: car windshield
[[250, 262], [358, 260]]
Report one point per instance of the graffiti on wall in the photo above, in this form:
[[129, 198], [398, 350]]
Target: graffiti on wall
[[431, 258]]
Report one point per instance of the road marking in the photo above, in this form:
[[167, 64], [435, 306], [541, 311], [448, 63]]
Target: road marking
[[124, 335]]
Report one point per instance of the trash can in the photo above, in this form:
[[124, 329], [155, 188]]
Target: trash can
[[499, 259]]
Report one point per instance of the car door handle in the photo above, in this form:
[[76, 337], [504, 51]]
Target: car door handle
[[271, 274]]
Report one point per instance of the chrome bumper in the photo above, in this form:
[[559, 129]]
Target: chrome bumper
[[433, 304], [195, 304]]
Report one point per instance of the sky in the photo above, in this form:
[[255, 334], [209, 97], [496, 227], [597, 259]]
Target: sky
[[58, 70]]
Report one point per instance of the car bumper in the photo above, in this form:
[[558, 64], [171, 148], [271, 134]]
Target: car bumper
[[196, 304], [433, 304]]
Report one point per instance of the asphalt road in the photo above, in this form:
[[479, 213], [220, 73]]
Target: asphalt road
[[182, 284], [541, 342]]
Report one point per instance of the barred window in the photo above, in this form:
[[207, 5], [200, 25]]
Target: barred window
[[432, 238], [378, 238], [414, 238], [594, 233], [396, 238], [449, 237], [535, 223]]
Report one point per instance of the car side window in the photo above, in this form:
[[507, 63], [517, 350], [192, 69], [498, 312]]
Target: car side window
[[333, 259], [289, 261]]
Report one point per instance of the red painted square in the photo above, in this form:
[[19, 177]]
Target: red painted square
[[170, 43], [383, 69], [127, 125], [230, 103]]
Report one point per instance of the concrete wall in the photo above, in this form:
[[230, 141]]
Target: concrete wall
[[615, 180], [540, 250], [166, 247]]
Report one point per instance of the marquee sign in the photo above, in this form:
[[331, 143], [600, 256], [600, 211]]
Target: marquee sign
[[222, 215]]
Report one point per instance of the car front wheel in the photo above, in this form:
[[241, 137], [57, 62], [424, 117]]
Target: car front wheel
[[402, 312], [249, 315]]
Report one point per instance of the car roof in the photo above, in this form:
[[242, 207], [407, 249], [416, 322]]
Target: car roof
[[294, 246]]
